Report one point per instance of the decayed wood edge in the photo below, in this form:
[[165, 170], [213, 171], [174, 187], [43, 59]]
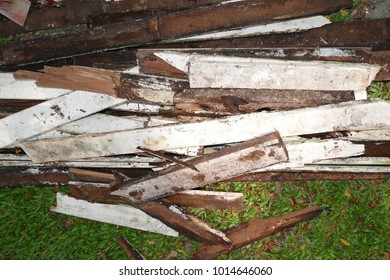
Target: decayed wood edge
[[78, 12], [256, 230], [253, 154], [74, 78], [122, 215], [160, 27], [151, 64], [186, 224], [129, 249]]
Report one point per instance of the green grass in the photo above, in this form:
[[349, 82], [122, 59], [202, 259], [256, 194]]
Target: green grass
[[379, 90], [356, 225]]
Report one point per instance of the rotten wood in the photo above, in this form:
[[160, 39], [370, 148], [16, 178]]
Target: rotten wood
[[186, 224], [237, 159], [122, 215], [346, 116], [256, 230], [160, 27]]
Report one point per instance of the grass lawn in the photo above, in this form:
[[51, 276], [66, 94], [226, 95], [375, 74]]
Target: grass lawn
[[355, 225]]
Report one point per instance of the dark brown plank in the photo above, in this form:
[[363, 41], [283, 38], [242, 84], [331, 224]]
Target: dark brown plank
[[161, 26], [256, 230], [361, 33]]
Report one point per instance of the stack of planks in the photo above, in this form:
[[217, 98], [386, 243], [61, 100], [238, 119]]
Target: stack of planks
[[215, 100]]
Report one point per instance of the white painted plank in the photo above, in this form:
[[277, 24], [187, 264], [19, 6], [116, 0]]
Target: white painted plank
[[141, 107], [100, 123], [301, 153], [121, 215], [341, 168], [259, 73], [52, 113], [347, 116], [10, 88], [288, 26], [356, 161]]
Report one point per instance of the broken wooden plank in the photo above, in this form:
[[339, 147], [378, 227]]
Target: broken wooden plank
[[151, 64], [256, 230], [207, 199], [75, 78], [51, 114], [233, 101], [347, 116], [161, 26], [122, 215], [355, 161], [361, 33], [12, 88], [229, 72], [237, 159]]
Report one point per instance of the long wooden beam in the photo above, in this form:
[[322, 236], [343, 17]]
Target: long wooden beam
[[163, 26]]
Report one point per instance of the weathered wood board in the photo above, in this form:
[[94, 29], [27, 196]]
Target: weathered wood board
[[160, 26], [237, 159], [122, 215], [51, 114], [347, 116], [12, 88], [231, 72]]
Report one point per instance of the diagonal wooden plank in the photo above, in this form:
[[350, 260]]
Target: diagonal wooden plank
[[122, 215], [348, 116], [237, 159], [52, 113]]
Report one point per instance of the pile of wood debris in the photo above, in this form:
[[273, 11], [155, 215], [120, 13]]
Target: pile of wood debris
[[216, 95]]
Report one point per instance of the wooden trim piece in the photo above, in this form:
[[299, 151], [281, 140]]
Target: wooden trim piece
[[122, 215], [347, 116], [232, 161], [51, 114], [256, 230]]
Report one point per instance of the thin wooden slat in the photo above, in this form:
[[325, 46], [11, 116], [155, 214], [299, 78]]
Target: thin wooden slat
[[51, 114], [240, 158], [347, 116], [122, 215]]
